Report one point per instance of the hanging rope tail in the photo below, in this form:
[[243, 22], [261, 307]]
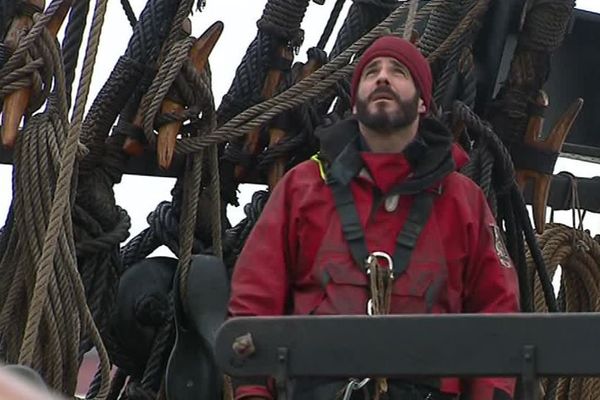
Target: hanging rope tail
[[381, 278], [410, 19], [57, 238]]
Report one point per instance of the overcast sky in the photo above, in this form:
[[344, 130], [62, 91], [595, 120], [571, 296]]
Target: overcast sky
[[140, 195]]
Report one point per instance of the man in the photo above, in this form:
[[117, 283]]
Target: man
[[384, 187]]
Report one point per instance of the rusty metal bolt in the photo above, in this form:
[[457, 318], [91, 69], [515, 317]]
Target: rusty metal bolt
[[243, 346]]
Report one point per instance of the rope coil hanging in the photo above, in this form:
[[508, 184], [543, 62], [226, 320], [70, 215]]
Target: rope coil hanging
[[54, 288], [578, 256], [178, 79]]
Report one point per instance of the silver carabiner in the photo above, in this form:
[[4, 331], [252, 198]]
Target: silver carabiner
[[353, 386], [376, 255]]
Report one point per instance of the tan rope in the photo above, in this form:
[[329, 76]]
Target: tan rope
[[49, 285], [578, 255], [410, 19], [321, 81], [169, 70], [381, 283], [158, 90], [316, 84], [471, 19], [215, 196]]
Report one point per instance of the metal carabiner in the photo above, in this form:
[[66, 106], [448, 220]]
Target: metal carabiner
[[352, 386], [376, 256]]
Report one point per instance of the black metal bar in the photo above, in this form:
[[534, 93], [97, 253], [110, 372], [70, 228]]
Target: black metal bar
[[529, 345], [5, 155], [529, 379], [583, 150], [561, 189]]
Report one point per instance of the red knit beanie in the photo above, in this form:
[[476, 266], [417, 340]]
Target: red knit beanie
[[406, 53]]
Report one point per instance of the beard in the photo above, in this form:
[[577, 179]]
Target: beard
[[383, 120]]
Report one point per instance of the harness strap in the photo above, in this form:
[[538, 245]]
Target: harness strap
[[351, 227], [353, 233], [409, 234]]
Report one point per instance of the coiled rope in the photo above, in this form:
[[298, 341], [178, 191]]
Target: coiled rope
[[49, 285], [497, 182], [177, 78], [315, 85], [578, 256], [100, 226]]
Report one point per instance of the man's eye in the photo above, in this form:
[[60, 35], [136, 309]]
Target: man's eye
[[401, 71]]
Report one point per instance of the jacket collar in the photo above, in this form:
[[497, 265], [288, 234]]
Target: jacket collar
[[429, 155], [336, 137]]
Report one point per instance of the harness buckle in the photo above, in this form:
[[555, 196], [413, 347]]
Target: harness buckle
[[352, 386], [374, 258]]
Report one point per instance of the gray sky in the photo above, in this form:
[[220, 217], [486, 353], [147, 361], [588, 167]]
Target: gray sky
[[140, 195]]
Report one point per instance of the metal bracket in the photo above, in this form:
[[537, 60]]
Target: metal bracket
[[529, 377], [282, 376]]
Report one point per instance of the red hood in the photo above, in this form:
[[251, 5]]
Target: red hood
[[460, 156], [386, 169]]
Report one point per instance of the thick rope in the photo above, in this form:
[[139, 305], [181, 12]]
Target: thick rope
[[544, 29], [142, 50], [178, 79], [362, 17], [215, 201], [317, 84], [578, 255], [328, 30], [168, 72], [129, 13], [321, 81], [282, 18], [73, 39], [100, 224], [57, 305], [30, 66], [471, 19], [58, 215], [278, 28], [511, 205], [410, 19], [439, 26]]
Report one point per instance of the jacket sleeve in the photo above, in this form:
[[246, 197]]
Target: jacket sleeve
[[490, 286], [260, 283]]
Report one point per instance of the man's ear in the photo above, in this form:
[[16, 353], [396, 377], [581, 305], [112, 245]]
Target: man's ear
[[421, 109]]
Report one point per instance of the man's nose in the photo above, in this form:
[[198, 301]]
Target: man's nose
[[383, 78]]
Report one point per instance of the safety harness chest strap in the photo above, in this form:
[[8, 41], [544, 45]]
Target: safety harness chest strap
[[353, 233]]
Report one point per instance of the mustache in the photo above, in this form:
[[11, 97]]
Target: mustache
[[383, 90]]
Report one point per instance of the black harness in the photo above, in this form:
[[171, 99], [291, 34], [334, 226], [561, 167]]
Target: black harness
[[344, 168], [407, 238]]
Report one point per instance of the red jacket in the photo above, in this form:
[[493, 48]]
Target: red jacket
[[296, 260]]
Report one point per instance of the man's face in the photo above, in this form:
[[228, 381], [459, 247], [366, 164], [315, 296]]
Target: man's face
[[387, 98]]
